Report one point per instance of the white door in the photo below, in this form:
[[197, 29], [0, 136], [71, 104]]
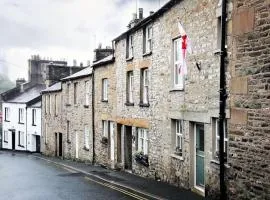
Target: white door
[[112, 140], [77, 145]]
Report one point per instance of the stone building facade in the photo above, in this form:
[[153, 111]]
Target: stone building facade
[[67, 112], [170, 120], [249, 126]]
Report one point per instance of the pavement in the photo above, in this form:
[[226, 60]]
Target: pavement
[[139, 187]]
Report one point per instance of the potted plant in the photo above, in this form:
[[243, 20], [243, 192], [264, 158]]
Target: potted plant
[[141, 158]]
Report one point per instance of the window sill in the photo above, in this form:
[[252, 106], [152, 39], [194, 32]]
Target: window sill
[[20, 146], [105, 101], [86, 106], [177, 156], [5, 141], [216, 162], [34, 125], [176, 90], [129, 59], [129, 104], [147, 54], [7, 121], [20, 123], [67, 104], [144, 104]]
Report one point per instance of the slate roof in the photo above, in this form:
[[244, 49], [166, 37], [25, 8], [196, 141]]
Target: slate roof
[[37, 104], [28, 95], [53, 88], [85, 72], [103, 61]]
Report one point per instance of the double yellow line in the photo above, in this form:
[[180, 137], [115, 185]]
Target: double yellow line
[[117, 189]]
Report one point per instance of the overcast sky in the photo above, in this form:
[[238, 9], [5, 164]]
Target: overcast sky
[[61, 29]]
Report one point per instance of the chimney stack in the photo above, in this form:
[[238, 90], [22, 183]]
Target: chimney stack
[[20, 81], [74, 63], [140, 13]]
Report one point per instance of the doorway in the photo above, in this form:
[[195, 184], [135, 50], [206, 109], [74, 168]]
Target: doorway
[[60, 149], [13, 140], [38, 143], [119, 143], [199, 158], [76, 145], [128, 147], [56, 145], [111, 134]]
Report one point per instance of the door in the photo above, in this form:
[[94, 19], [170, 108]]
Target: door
[[111, 141], [199, 148], [13, 140], [37, 143], [56, 144], [60, 144], [76, 145], [128, 147], [119, 143]]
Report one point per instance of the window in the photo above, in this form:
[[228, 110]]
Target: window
[[143, 141], [21, 138], [87, 93], [55, 105], [130, 48], [68, 131], [105, 89], [45, 133], [68, 94], [6, 136], [21, 115], [178, 131], [7, 114], [144, 86], [47, 103], [34, 117], [105, 128], [86, 137], [130, 87], [178, 61], [148, 35], [75, 93], [217, 137], [44, 104]]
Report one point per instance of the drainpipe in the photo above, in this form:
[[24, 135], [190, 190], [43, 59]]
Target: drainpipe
[[26, 127], [222, 101], [93, 115]]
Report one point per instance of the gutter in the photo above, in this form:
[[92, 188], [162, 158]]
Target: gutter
[[222, 102]]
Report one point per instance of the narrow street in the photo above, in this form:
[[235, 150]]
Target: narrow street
[[23, 176]]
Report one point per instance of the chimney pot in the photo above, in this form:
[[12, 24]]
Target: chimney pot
[[140, 13], [134, 16]]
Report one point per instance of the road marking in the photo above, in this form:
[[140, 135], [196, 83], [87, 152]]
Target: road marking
[[117, 189], [100, 178]]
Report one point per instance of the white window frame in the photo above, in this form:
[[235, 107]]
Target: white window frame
[[21, 115], [130, 46], [68, 131], [75, 97], [178, 79], [130, 86], [145, 86], [217, 137], [143, 141], [148, 39], [86, 136], [21, 141], [105, 89], [87, 92], [6, 136], [105, 128], [7, 114], [179, 136], [34, 117]]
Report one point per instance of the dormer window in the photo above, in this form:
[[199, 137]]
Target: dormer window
[[130, 47]]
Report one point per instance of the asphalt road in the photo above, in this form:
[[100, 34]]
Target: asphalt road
[[23, 177]]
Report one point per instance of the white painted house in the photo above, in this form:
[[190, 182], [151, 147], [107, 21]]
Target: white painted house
[[22, 120]]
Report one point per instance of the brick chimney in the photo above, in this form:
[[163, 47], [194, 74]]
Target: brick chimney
[[101, 53]]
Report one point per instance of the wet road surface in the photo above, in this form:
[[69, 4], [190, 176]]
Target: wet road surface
[[23, 177]]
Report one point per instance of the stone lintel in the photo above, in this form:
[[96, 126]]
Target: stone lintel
[[145, 63], [142, 123]]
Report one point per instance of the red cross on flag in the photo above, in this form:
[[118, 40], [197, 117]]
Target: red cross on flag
[[184, 46]]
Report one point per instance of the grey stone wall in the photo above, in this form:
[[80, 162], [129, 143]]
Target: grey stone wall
[[249, 125], [198, 102]]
